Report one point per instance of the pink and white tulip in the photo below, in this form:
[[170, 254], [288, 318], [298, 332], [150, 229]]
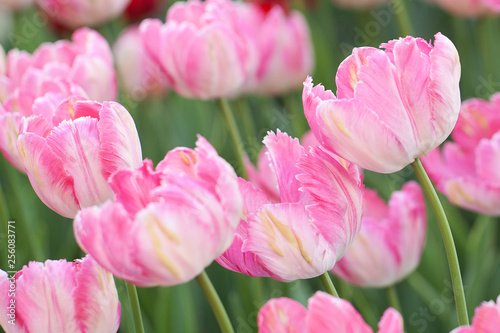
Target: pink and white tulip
[[139, 74], [467, 170], [202, 47], [324, 313], [390, 242], [470, 8], [284, 48], [164, 226], [70, 148], [392, 106], [83, 67], [59, 296], [78, 13], [309, 229], [486, 319]]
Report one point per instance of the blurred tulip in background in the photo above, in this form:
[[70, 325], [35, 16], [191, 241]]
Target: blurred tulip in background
[[391, 239]]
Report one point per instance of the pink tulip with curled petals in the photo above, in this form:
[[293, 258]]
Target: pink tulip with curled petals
[[467, 170], [284, 48], [390, 242], [264, 177], [140, 75], [202, 47], [78, 13], [324, 313], [165, 226], [316, 218], [392, 106], [70, 148], [59, 296], [470, 8], [83, 67], [486, 319]]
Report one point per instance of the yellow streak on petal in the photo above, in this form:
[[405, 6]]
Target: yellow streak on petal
[[481, 119], [164, 260], [338, 124], [353, 78], [269, 220], [458, 194]]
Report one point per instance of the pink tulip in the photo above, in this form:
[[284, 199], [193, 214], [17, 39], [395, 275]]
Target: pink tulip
[[83, 67], [392, 106], [470, 8], [486, 319], [467, 170], [140, 75], [390, 242], [284, 48], [59, 296], [325, 313], [359, 4], [202, 47], [165, 226], [78, 13], [310, 228], [70, 148]]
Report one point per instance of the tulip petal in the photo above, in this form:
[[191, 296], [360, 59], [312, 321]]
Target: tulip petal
[[283, 153], [376, 148], [332, 314], [75, 142], [288, 245], [488, 160], [50, 180], [336, 197], [100, 313], [282, 315], [120, 146], [391, 322]]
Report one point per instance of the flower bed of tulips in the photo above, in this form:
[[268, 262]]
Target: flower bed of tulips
[[261, 166]]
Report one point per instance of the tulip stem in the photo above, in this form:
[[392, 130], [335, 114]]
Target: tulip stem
[[234, 132], [328, 284], [136, 308], [215, 303], [449, 244], [402, 17], [392, 297]]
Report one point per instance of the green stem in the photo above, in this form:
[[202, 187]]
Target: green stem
[[215, 303], [328, 284], [402, 17], [234, 132], [392, 297], [136, 308], [449, 244]]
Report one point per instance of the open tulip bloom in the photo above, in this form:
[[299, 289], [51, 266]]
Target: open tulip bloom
[[467, 170], [59, 296], [317, 218], [392, 105], [486, 319], [390, 242], [69, 149], [324, 313], [83, 67], [165, 225]]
